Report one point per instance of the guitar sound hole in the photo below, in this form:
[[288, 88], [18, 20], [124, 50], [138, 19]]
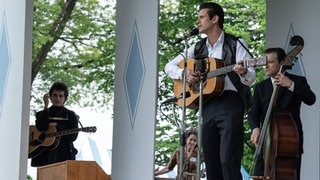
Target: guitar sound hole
[[42, 137], [196, 87]]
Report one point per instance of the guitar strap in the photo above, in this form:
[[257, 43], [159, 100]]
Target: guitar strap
[[78, 117], [244, 47]]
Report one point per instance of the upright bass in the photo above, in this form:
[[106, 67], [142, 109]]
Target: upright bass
[[279, 135]]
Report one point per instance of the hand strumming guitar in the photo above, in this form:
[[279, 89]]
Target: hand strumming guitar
[[192, 77]]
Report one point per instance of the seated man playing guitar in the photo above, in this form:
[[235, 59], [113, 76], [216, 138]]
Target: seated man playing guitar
[[64, 119]]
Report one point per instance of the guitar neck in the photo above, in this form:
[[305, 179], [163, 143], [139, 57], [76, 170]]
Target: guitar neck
[[64, 132], [220, 71]]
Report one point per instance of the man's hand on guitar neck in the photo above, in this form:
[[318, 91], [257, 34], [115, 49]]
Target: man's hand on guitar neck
[[239, 69]]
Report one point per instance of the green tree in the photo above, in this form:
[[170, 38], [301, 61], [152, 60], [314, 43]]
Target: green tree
[[243, 18], [74, 42]]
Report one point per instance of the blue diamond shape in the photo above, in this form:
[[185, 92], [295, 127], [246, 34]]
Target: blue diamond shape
[[4, 60], [134, 75]]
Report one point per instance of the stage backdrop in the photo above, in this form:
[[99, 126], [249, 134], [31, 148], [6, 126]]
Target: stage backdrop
[[135, 89], [15, 74], [286, 18]]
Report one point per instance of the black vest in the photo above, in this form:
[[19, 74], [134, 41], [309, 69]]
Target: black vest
[[229, 57]]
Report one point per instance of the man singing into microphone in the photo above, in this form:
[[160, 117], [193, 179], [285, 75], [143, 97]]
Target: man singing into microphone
[[222, 129]]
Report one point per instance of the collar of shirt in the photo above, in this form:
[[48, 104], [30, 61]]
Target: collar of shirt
[[215, 50], [273, 82]]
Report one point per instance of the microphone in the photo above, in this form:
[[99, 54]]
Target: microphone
[[175, 98], [191, 33]]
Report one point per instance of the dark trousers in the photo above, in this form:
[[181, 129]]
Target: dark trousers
[[222, 136]]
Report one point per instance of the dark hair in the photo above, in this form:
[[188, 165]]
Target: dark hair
[[281, 54], [214, 9], [60, 87], [187, 134]]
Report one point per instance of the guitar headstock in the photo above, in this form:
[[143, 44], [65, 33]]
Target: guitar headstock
[[89, 129], [259, 61]]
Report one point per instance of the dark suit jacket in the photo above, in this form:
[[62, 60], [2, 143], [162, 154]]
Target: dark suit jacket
[[285, 100], [65, 149]]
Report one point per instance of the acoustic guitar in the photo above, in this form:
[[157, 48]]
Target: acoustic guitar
[[42, 140], [214, 84]]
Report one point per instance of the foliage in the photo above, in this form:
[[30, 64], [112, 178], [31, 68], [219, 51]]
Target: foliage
[[74, 42], [243, 18]]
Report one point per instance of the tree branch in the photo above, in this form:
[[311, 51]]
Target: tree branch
[[55, 32]]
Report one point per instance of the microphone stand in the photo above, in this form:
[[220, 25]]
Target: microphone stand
[[201, 66], [183, 113], [200, 120]]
